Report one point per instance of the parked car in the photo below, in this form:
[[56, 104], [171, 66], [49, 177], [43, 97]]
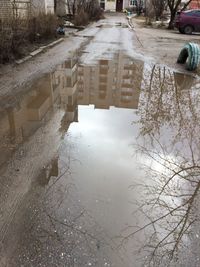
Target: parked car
[[188, 21]]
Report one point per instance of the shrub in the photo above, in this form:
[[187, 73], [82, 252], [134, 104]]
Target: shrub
[[97, 14], [42, 26], [17, 33], [87, 11], [81, 18]]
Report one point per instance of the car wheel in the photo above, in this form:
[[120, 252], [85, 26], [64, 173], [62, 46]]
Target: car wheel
[[188, 29], [181, 30]]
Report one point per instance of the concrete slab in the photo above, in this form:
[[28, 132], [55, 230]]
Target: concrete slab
[[20, 61], [55, 42], [36, 52]]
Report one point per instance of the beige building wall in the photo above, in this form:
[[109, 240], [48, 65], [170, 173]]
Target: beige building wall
[[5, 9], [127, 3], [49, 6], [110, 5], [42, 6], [23, 8], [61, 8]]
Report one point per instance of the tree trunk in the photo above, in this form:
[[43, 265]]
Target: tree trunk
[[55, 6], [171, 22]]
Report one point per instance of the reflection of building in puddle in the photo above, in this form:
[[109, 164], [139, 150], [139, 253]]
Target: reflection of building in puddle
[[26, 116], [21, 120], [115, 82], [67, 75], [30, 111], [111, 83]]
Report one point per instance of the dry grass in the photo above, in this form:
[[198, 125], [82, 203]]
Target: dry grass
[[90, 12], [18, 33]]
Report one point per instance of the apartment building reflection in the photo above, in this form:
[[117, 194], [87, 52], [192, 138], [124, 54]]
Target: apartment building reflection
[[111, 83], [26, 115], [34, 108], [68, 91], [108, 83]]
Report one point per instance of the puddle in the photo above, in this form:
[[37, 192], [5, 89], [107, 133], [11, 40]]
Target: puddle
[[75, 143], [105, 25]]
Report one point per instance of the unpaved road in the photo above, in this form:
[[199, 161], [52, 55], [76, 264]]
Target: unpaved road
[[13, 77], [161, 44], [36, 148], [69, 148]]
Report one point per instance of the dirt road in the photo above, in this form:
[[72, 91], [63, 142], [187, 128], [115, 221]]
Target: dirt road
[[161, 44], [33, 124], [74, 166]]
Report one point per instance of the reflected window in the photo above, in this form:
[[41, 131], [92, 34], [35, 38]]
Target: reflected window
[[69, 81], [70, 102]]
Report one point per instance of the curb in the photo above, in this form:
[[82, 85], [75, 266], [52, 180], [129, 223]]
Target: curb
[[38, 51]]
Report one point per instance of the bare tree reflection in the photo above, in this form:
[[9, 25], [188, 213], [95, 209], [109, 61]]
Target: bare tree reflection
[[60, 231], [169, 120]]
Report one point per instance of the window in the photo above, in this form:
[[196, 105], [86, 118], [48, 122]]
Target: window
[[133, 2], [197, 13], [69, 82], [191, 13]]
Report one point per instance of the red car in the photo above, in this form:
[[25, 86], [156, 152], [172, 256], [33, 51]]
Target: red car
[[188, 21]]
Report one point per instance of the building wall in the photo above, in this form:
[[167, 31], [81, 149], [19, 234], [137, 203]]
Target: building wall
[[195, 4], [38, 6], [5, 9], [61, 8], [49, 6], [22, 8], [42, 6], [127, 3], [111, 4]]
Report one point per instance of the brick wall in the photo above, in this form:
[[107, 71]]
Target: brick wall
[[195, 4], [5, 9], [23, 7]]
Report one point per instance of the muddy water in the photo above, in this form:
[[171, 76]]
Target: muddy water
[[78, 152]]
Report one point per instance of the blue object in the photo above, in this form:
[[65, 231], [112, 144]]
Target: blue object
[[190, 54], [60, 30]]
